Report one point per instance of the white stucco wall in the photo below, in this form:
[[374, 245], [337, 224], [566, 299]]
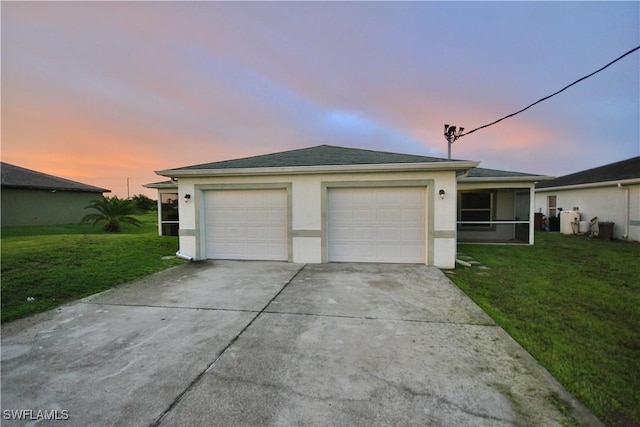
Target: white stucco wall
[[307, 250], [307, 216], [607, 202]]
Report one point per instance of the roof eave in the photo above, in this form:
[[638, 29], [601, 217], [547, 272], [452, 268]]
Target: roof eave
[[161, 185], [525, 178], [631, 181], [301, 170], [52, 188]]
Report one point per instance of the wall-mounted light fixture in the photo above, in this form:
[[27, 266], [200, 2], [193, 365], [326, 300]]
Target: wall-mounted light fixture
[[187, 197], [441, 193]]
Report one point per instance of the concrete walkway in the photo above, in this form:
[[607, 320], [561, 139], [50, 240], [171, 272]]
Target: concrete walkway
[[267, 343]]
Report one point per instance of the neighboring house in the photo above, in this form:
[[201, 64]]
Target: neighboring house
[[35, 198], [610, 192], [327, 203]]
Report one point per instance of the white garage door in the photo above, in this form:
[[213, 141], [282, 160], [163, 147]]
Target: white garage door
[[376, 224], [246, 224]]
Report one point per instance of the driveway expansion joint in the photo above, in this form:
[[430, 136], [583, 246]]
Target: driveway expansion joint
[[178, 307], [385, 319]]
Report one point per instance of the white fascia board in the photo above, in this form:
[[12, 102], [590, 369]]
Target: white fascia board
[[527, 178], [162, 186], [300, 170], [632, 181]]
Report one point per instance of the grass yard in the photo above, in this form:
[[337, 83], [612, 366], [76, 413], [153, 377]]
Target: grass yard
[[574, 304], [56, 264]]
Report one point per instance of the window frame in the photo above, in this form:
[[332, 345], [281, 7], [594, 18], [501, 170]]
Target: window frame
[[491, 209], [169, 224], [554, 207]]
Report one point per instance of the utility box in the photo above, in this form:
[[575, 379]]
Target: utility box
[[569, 222]]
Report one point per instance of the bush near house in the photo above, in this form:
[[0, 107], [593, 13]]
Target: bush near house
[[574, 304], [113, 212], [144, 204], [45, 266]]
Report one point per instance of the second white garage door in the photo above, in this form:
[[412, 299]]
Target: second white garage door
[[246, 224], [376, 224]]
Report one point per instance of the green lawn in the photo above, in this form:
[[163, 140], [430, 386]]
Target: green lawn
[[574, 304], [56, 264]]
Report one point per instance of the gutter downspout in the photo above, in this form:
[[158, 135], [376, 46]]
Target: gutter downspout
[[182, 256], [463, 174], [625, 236]]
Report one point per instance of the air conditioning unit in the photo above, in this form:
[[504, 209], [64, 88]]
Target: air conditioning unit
[[569, 222]]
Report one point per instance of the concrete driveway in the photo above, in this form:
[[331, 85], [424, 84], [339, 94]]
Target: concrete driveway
[[269, 343]]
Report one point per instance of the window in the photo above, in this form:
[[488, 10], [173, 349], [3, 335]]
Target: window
[[551, 206], [476, 206], [169, 214]]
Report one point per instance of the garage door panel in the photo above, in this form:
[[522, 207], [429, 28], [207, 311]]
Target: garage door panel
[[255, 217], [376, 224], [278, 249], [411, 235], [219, 231], [274, 234], [387, 199], [256, 233], [387, 234], [355, 252], [342, 234], [364, 217], [411, 216], [387, 250], [246, 224], [386, 216], [274, 216], [362, 234], [256, 248]]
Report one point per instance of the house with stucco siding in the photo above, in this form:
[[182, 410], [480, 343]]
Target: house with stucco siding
[[610, 192], [36, 198], [336, 204]]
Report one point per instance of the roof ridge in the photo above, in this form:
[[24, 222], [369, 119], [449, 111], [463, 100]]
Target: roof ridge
[[324, 154], [383, 152]]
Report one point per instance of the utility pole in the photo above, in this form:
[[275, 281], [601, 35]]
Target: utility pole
[[451, 136], [128, 197]]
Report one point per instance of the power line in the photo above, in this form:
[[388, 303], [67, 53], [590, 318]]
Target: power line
[[553, 94]]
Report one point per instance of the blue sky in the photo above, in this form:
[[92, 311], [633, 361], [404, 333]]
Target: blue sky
[[99, 92]]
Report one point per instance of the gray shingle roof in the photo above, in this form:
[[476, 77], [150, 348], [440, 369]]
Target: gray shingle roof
[[162, 184], [495, 173], [322, 155], [17, 177], [487, 174], [618, 171]]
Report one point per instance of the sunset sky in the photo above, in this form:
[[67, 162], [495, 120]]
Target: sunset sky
[[102, 92]]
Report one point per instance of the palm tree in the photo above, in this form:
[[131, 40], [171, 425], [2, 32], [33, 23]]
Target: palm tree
[[112, 211]]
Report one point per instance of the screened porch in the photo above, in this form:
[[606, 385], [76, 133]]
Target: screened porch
[[495, 215]]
